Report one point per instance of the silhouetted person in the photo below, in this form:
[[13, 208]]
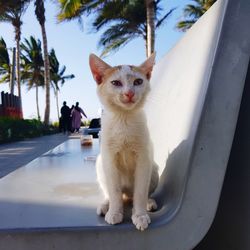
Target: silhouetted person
[[70, 119], [76, 117], [65, 117]]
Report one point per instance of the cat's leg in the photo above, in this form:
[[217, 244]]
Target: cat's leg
[[102, 209], [143, 171], [154, 178], [114, 214], [151, 204]]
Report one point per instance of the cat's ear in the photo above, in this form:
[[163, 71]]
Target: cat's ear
[[98, 67], [148, 65]]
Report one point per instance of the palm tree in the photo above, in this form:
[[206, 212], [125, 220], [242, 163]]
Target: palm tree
[[57, 75], [33, 66], [127, 20], [12, 12], [5, 65], [40, 14], [193, 12]]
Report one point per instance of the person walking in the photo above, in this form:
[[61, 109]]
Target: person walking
[[70, 119], [76, 117], [65, 118]]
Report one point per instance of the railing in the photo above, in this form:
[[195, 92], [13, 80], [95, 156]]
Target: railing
[[10, 106]]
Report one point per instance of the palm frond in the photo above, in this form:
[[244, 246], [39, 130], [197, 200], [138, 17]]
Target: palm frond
[[56, 74], [185, 25], [5, 65], [193, 12], [32, 62], [5, 79], [4, 55], [114, 46], [116, 37], [161, 20], [70, 9], [63, 69]]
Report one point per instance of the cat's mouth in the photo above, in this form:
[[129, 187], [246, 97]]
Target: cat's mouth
[[130, 101], [127, 103]]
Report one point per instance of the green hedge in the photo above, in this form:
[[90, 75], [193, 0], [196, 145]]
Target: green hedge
[[17, 129]]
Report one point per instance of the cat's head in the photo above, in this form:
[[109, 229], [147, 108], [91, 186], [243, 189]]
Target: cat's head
[[122, 87]]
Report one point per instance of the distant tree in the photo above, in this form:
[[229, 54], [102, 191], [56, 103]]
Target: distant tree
[[57, 76], [33, 66], [5, 65], [126, 20], [12, 12], [193, 12]]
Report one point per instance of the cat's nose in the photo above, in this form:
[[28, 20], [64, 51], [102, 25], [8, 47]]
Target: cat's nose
[[130, 94]]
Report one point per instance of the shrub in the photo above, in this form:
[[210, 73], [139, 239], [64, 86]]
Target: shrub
[[55, 124], [12, 129], [85, 123]]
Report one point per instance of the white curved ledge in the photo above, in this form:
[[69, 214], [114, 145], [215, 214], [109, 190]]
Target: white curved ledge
[[192, 114]]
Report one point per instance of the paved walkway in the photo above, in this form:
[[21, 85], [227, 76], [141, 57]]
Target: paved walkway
[[16, 154]]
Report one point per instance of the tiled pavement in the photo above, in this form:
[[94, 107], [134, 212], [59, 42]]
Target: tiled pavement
[[16, 154]]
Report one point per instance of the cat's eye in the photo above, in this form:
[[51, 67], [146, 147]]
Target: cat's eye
[[138, 82], [116, 83]]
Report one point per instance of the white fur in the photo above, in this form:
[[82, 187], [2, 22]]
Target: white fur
[[125, 165]]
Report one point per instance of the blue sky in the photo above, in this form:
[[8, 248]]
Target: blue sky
[[73, 46]]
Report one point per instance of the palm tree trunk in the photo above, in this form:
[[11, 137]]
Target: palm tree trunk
[[40, 14], [37, 104], [57, 105], [18, 67], [12, 72], [150, 6], [18, 38], [146, 45], [47, 75]]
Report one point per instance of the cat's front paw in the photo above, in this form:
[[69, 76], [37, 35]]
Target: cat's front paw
[[113, 218], [141, 221]]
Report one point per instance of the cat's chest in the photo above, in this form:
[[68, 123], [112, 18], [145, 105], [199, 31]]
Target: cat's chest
[[123, 136]]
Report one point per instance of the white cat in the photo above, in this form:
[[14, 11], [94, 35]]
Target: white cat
[[125, 167]]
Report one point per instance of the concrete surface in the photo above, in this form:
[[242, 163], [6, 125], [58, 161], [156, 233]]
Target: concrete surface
[[231, 227], [56, 190], [17, 154]]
